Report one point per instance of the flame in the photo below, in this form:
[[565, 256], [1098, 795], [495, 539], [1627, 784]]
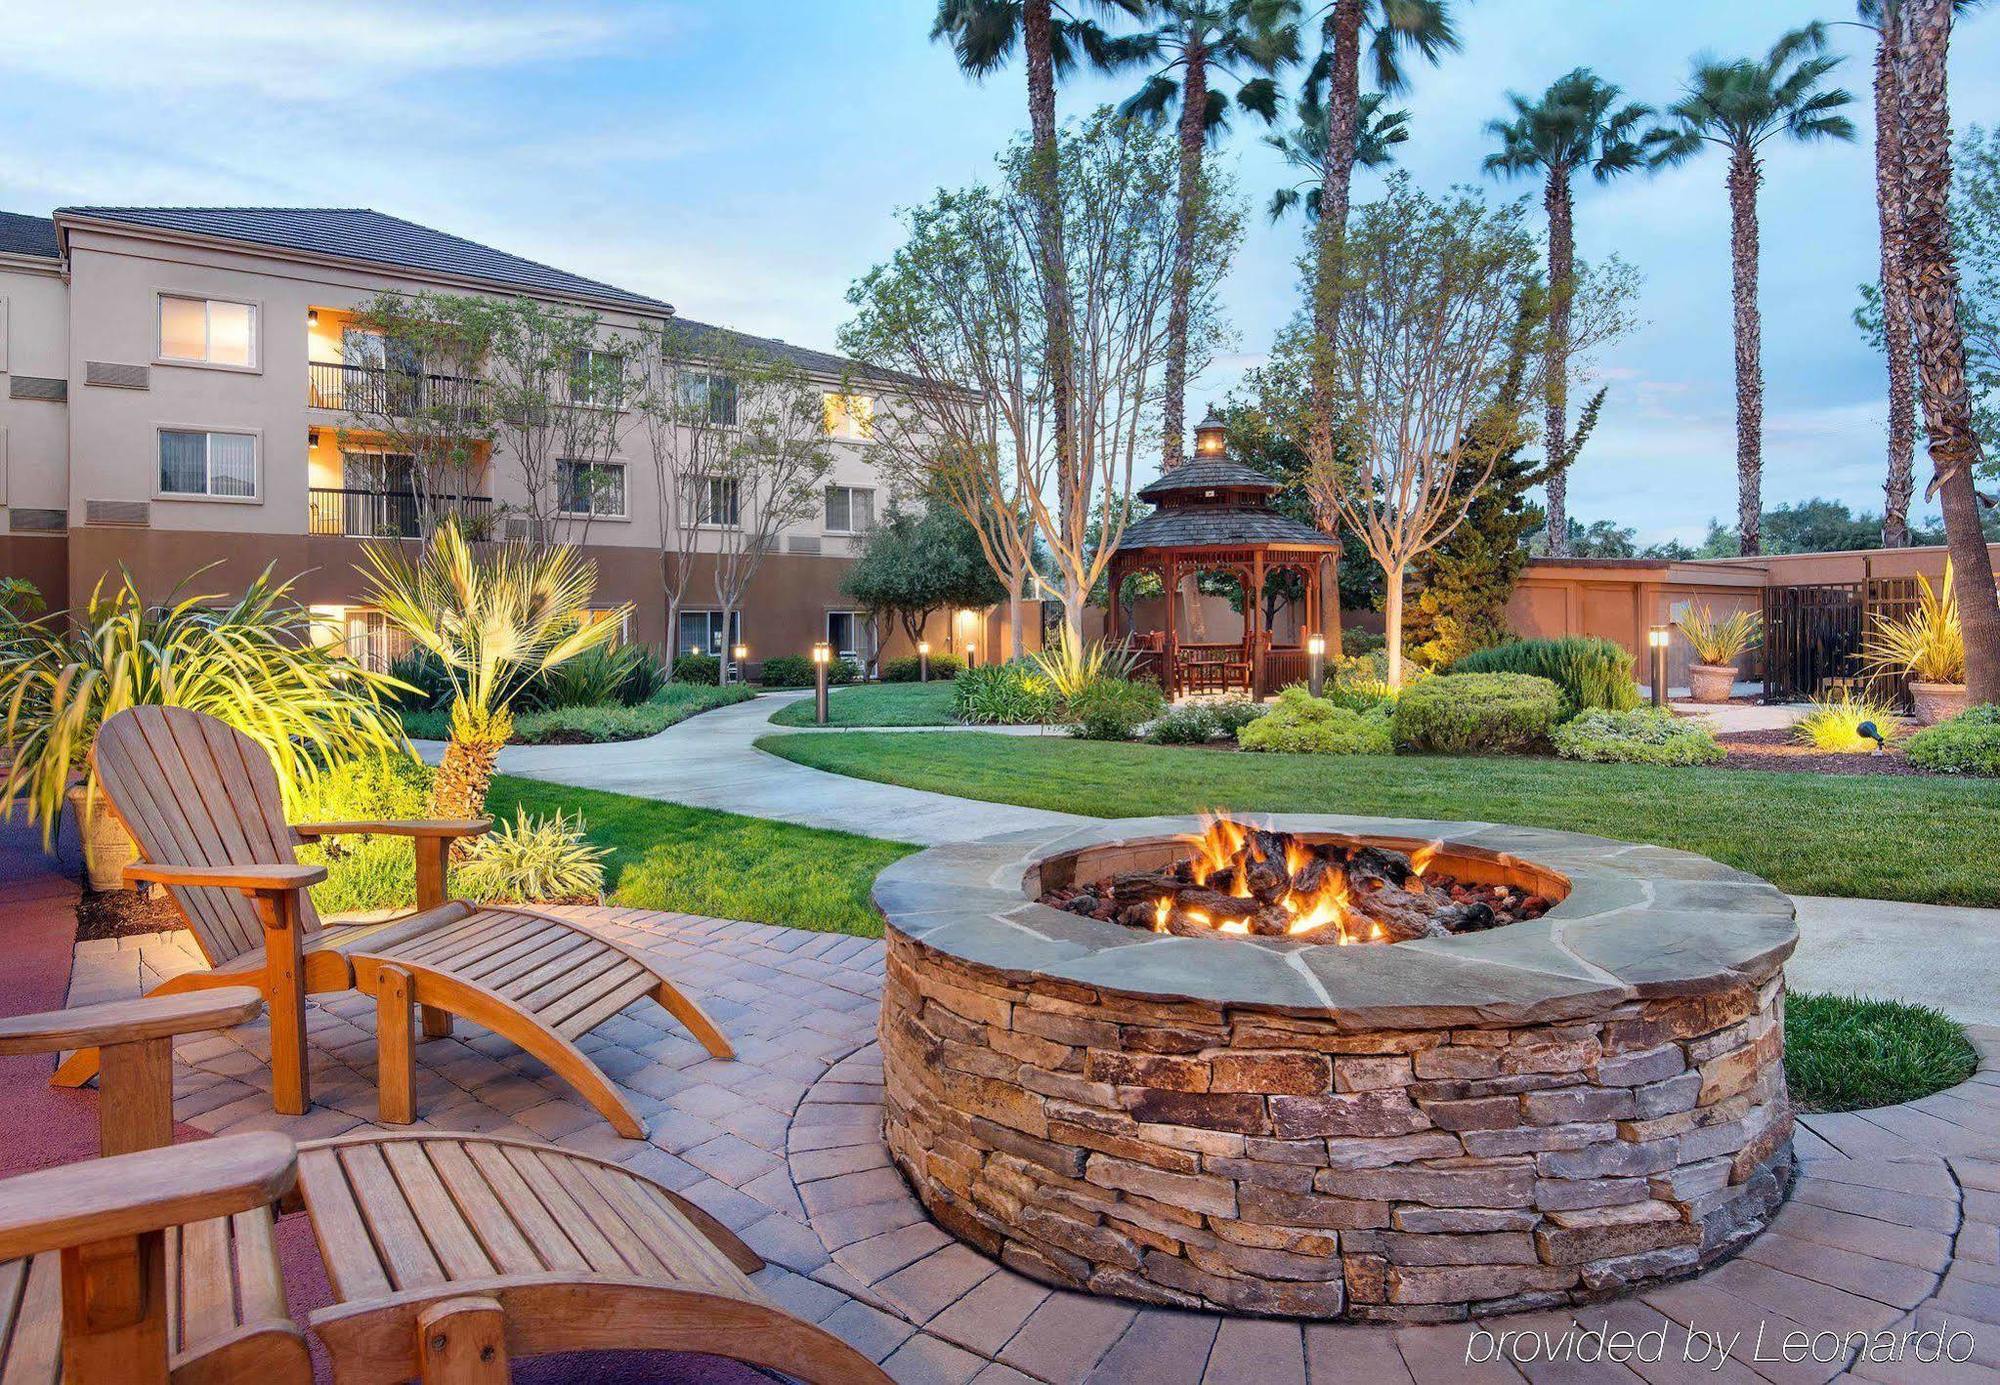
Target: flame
[[1421, 858]]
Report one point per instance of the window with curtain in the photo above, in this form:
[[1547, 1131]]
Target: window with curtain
[[207, 330], [701, 632], [217, 464], [714, 396], [849, 510], [586, 488], [720, 502]]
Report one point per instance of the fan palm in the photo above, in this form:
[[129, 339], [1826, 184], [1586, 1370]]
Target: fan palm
[[1209, 43], [1930, 267], [494, 622], [1377, 133], [1577, 124], [1742, 105]]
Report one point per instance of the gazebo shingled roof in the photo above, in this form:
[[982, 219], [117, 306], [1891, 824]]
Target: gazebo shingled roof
[[1221, 526], [1209, 474]]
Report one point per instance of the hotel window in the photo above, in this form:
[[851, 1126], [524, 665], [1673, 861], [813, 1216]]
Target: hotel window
[[719, 502], [701, 632], [213, 464], [597, 377], [849, 510], [208, 331], [712, 397], [591, 488], [850, 416]]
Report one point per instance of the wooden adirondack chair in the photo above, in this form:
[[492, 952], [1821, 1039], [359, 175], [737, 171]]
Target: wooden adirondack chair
[[447, 1253], [201, 801]]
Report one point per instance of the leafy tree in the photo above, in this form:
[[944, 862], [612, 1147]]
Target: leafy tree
[[1740, 106], [1208, 42], [919, 562], [1577, 124]]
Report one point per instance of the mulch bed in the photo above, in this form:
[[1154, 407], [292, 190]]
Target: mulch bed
[[1776, 750], [121, 913]]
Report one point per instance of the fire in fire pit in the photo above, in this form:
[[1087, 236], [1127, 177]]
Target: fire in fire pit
[[1243, 879]]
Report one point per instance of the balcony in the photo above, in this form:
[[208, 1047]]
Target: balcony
[[365, 389], [360, 514]]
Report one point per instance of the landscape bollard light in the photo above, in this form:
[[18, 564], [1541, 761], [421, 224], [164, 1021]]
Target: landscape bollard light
[[923, 661], [1657, 638], [822, 656], [739, 654], [1316, 665], [971, 654]]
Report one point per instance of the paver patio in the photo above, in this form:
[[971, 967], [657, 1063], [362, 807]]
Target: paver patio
[[1894, 1224]]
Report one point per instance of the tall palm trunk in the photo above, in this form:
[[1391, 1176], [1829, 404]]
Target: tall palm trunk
[[1555, 385], [1931, 274], [1901, 481], [1036, 25], [470, 756], [1745, 173], [1343, 117], [1194, 138]]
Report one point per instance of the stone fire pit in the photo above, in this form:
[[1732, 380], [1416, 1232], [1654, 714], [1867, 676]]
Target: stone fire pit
[[1546, 1112]]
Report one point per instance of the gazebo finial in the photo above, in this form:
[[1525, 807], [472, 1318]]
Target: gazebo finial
[[1210, 437]]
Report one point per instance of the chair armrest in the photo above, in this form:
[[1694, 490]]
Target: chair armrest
[[448, 828], [249, 879], [129, 1021], [128, 1194]]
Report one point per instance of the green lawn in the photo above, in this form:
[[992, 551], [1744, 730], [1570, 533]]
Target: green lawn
[[1920, 839], [877, 704], [1843, 1053], [665, 856]]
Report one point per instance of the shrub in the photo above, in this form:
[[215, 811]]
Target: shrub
[[646, 675], [595, 678], [1722, 641], [532, 861], [1967, 744], [1360, 682], [796, 671], [706, 668], [585, 725], [1642, 736], [1232, 714], [1191, 723], [1072, 666], [430, 685], [1834, 723], [1012, 694], [944, 667], [1928, 643], [365, 874], [427, 726], [1588, 672], [1458, 712], [1303, 724], [1113, 709]]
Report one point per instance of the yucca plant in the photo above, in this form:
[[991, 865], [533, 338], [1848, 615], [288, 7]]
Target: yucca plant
[[247, 663], [533, 861], [1834, 723], [495, 622], [1073, 664], [1928, 644], [1720, 641]]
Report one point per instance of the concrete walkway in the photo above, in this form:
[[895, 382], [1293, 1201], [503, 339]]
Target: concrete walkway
[[710, 761]]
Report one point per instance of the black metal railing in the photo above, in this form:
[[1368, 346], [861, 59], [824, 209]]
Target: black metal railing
[[1816, 634], [367, 389], [361, 514]]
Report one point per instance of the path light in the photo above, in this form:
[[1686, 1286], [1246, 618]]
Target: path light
[[1658, 637], [1316, 664], [923, 661], [739, 653], [971, 654], [822, 656]]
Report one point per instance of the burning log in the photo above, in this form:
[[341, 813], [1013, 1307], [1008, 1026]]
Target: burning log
[[1218, 906], [1267, 880], [1271, 921]]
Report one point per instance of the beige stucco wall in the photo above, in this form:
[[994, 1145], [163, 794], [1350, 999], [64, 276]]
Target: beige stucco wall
[[34, 435]]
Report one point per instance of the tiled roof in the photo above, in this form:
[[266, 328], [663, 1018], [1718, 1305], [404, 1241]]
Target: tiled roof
[[1220, 526], [805, 358], [371, 237], [1206, 474], [27, 235]]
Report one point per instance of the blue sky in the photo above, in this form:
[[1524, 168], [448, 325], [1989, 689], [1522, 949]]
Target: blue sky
[[743, 159]]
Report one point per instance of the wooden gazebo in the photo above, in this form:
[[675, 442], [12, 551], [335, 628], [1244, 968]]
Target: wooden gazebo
[[1215, 515]]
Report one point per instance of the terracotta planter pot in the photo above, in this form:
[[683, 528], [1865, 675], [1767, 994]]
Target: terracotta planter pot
[[106, 848], [1712, 682], [1936, 702]]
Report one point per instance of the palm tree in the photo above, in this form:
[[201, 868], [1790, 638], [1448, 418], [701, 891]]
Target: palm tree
[[495, 623], [983, 35], [1241, 40], [1394, 29], [1741, 106], [1578, 124], [1930, 267], [1377, 133], [1897, 487]]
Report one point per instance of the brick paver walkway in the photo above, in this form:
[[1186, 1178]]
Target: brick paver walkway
[[1894, 1226]]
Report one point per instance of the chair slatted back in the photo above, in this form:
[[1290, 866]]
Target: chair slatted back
[[195, 791]]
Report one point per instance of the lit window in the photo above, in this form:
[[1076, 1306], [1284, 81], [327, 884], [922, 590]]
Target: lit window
[[587, 488], [709, 397], [849, 510], [597, 377], [218, 464], [719, 502], [850, 416], [207, 330]]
